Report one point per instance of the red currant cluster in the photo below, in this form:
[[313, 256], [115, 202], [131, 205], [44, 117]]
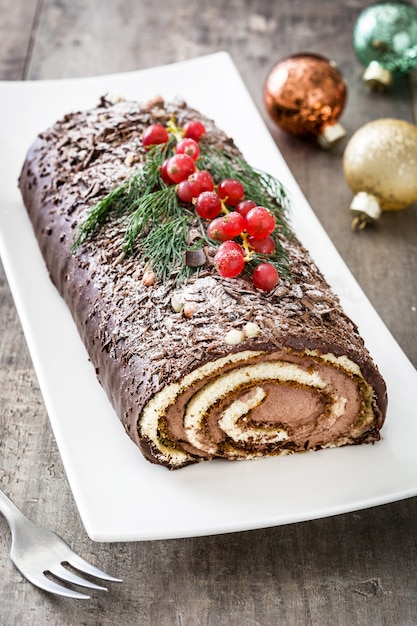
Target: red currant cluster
[[231, 215]]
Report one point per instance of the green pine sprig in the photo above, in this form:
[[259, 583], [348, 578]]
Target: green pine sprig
[[157, 224], [128, 196]]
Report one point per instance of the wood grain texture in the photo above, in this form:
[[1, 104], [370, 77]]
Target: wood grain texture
[[18, 24], [354, 569]]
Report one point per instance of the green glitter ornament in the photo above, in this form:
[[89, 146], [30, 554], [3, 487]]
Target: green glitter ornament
[[385, 42]]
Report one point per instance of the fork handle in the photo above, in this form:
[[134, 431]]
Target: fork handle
[[10, 511]]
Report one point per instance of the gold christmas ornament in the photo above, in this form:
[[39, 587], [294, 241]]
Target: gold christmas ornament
[[380, 167]]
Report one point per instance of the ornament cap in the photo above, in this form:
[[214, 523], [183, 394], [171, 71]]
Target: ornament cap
[[366, 210], [377, 77], [330, 135]]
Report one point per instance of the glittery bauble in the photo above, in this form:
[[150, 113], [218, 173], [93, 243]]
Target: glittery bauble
[[305, 95], [380, 166], [385, 41]]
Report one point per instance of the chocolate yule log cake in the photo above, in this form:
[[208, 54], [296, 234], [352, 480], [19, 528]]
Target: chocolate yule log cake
[[209, 326]]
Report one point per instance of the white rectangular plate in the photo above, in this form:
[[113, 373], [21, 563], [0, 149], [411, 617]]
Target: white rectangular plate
[[120, 496]]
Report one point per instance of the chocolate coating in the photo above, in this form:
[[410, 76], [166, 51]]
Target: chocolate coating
[[137, 343]]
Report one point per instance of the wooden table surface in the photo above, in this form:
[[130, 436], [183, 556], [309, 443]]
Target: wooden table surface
[[357, 568]]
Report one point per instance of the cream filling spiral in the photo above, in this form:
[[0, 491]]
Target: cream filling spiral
[[251, 403]]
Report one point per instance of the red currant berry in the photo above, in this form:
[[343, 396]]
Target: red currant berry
[[231, 191], [215, 230], [259, 222], [233, 224], [200, 181], [263, 246], [184, 191], [245, 206], [208, 205], [164, 173], [188, 146], [194, 129], [265, 277], [229, 259], [154, 134], [180, 167], [231, 245]]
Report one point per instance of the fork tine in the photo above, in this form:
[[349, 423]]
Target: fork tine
[[49, 585], [84, 566], [64, 574]]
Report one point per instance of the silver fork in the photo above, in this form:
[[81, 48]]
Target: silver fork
[[36, 551]]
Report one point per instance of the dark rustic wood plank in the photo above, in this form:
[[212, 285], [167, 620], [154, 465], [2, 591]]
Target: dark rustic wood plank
[[18, 21], [358, 568]]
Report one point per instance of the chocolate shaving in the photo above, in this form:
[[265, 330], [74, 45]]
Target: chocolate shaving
[[195, 258]]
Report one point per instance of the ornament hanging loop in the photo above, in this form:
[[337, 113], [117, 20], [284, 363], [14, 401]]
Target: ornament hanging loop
[[359, 222]]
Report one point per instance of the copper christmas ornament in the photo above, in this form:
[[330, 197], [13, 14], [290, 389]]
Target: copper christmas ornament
[[305, 94]]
